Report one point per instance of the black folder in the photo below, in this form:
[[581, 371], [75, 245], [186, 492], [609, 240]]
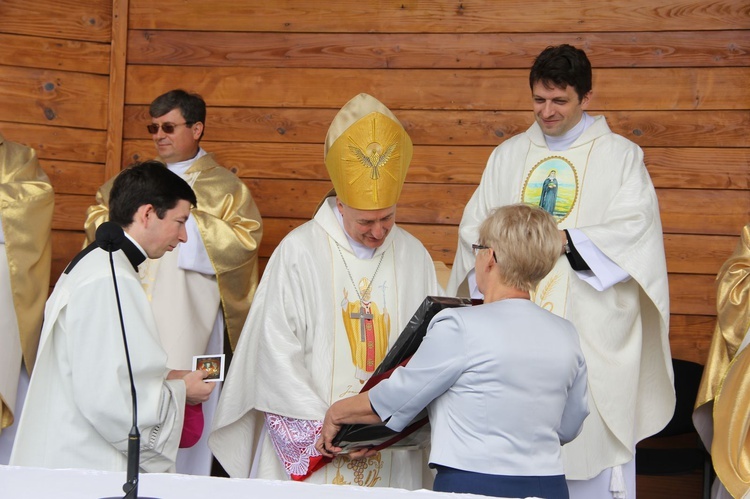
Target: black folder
[[416, 434]]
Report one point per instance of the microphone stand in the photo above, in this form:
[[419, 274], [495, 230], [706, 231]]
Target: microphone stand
[[134, 437]]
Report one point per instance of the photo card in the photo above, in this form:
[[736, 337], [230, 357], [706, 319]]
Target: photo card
[[212, 364]]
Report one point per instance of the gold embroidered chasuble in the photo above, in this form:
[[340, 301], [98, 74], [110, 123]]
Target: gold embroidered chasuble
[[722, 414], [26, 207], [231, 228]]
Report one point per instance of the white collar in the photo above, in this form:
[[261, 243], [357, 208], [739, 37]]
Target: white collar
[[182, 166], [564, 141]]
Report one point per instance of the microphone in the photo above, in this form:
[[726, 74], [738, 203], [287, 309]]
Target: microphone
[[110, 237]]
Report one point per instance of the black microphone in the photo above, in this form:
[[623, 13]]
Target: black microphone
[[110, 237]]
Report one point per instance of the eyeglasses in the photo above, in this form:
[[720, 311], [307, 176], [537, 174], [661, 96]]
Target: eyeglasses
[[476, 247], [153, 128]]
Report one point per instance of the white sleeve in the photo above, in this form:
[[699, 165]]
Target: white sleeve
[[193, 255], [433, 369], [604, 272]]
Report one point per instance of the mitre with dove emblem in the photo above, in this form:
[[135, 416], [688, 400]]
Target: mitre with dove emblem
[[367, 154]]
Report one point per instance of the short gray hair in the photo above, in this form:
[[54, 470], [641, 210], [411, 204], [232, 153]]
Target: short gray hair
[[526, 242]]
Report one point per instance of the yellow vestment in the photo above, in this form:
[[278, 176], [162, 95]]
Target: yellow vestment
[[231, 228], [26, 206], [724, 394]]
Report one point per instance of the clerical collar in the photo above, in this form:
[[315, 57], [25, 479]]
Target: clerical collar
[[564, 141], [182, 166], [134, 251], [360, 250], [130, 247]]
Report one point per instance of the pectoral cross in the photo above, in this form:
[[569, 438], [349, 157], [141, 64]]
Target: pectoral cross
[[362, 316]]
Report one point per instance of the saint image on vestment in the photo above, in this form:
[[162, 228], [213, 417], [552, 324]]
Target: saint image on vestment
[[367, 330], [549, 193], [552, 184]]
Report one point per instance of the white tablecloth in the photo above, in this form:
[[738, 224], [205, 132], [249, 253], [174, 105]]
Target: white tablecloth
[[32, 483]]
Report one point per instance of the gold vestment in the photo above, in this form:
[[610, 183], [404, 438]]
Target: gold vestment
[[231, 228], [26, 207]]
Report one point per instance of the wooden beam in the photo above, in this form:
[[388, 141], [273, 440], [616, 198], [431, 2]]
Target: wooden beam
[[437, 16], [428, 50], [118, 60]]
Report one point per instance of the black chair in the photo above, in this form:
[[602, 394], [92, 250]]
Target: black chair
[[665, 453]]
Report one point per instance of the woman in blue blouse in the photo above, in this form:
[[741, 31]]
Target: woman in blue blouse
[[504, 382]]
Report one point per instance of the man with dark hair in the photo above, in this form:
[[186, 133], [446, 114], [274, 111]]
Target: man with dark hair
[[612, 283], [208, 284], [78, 410]]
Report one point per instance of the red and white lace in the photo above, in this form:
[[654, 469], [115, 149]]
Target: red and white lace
[[294, 442]]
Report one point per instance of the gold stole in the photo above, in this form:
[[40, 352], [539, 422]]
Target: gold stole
[[569, 168], [363, 331]]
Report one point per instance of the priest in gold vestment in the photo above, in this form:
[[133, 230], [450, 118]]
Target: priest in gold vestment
[[722, 409], [301, 349], [26, 206], [208, 283]]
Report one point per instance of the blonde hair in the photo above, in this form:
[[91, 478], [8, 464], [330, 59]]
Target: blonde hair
[[526, 242]]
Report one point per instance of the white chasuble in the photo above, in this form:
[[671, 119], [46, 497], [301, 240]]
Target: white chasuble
[[600, 187], [551, 181], [366, 294]]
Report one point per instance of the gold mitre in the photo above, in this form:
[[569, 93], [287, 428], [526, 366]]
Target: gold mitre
[[367, 153]]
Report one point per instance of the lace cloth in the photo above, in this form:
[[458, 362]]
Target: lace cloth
[[294, 442]]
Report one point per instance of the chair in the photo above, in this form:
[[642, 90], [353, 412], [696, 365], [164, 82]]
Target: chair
[[667, 454]]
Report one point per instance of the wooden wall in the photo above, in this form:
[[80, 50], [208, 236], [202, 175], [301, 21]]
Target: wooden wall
[[671, 75]]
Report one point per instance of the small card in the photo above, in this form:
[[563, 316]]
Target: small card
[[212, 364]]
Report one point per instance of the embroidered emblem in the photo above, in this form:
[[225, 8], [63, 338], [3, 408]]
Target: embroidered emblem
[[552, 184], [373, 157]]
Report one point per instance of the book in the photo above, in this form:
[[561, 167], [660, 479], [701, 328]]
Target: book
[[417, 432]]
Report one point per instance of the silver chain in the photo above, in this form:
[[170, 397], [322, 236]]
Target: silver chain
[[369, 285]]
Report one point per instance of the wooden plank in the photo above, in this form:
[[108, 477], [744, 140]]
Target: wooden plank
[[717, 129], [695, 254], [692, 294], [71, 177], [430, 164], [707, 211], [48, 97], [70, 211], [682, 128], [52, 53], [699, 168], [431, 50], [481, 89], [58, 143], [683, 211], [65, 245], [70, 19], [669, 167], [116, 99], [419, 203], [690, 336], [437, 16]]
